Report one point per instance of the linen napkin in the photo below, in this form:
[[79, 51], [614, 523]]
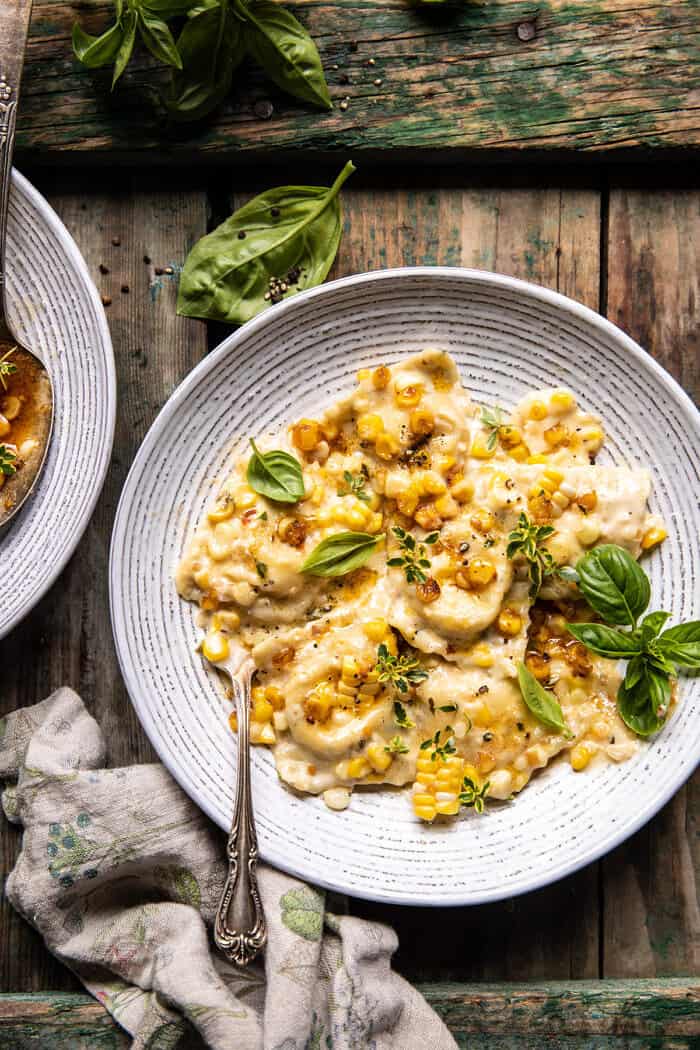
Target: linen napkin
[[121, 875]]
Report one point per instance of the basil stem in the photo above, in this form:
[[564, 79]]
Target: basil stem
[[541, 703], [341, 553], [276, 475], [229, 274]]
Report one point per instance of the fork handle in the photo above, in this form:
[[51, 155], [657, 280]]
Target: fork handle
[[14, 29], [239, 928]]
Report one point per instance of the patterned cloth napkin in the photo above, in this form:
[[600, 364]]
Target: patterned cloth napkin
[[121, 874]]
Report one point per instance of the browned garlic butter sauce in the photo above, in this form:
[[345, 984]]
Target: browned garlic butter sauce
[[25, 418], [420, 439]]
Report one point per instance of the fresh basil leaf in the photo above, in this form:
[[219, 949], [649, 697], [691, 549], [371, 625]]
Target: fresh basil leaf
[[541, 703], [652, 624], [167, 8], [682, 644], [341, 553], [158, 39], [211, 46], [276, 475], [96, 51], [281, 45], [605, 641], [614, 584], [226, 277], [635, 670], [643, 705], [568, 573], [126, 47]]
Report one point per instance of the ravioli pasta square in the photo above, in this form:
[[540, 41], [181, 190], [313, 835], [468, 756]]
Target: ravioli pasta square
[[391, 656]]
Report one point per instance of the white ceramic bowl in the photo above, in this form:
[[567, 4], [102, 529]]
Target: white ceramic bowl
[[507, 337], [55, 310]]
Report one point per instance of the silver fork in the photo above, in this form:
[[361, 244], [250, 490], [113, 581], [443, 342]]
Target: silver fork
[[240, 931]]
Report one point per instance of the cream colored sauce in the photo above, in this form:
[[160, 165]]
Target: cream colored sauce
[[300, 628]]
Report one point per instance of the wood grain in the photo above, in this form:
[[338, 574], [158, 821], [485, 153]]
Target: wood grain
[[610, 1015], [68, 639], [604, 77], [651, 913]]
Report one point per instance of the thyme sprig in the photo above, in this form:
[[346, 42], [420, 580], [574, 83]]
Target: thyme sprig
[[355, 484], [401, 717], [413, 558], [491, 421], [527, 540], [8, 457], [441, 748], [400, 671], [396, 746], [473, 795], [7, 367]]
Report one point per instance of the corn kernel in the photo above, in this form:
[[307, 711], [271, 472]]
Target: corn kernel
[[233, 721], [480, 451], [556, 435], [374, 523], [357, 768], [482, 520], [274, 696], [215, 647], [381, 377], [222, 511], [378, 758], [447, 807], [562, 401], [306, 435], [432, 484], [369, 427], [592, 438], [263, 711], [509, 436], [652, 537], [588, 534], [446, 507], [375, 630], [421, 421], [462, 490], [538, 666], [363, 374], [262, 734], [330, 429], [444, 462], [538, 410], [580, 757], [4, 428], [407, 501], [480, 572], [587, 501], [428, 517], [408, 396], [245, 498], [539, 458], [482, 655], [519, 453], [386, 446], [257, 693], [509, 622], [600, 729]]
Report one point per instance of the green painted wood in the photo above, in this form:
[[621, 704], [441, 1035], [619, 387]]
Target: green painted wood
[[477, 76], [587, 1015]]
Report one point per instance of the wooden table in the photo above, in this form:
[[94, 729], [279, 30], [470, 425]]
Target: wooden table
[[622, 239]]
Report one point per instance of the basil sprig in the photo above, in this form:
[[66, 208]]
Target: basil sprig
[[341, 553], [229, 274], [216, 36], [276, 475], [618, 589], [541, 703]]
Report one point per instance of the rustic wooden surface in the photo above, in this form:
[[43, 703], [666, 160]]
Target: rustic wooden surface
[[620, 1015], [631, 253], [476, 76]]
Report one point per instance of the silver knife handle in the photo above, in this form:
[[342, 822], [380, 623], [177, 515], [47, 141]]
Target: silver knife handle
[[239, 929], [14, 29]]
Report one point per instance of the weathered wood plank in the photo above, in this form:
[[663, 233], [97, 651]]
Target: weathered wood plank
[[606, 76], [652, 918], [552, 237], [610, 1015], [67, 640]]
